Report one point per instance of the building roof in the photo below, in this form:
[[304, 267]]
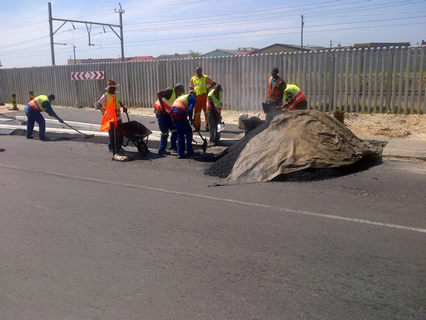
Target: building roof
[[173, 56], [227, 52], [381, 44], [280, 47]]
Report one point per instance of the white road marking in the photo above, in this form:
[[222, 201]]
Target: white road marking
[[250, 204]]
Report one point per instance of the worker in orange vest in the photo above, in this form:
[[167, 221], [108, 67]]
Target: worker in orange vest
[[276, 86], [102, 104], [199, 83]]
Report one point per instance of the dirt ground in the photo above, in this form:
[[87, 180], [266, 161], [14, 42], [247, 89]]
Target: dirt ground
[[387, 125]]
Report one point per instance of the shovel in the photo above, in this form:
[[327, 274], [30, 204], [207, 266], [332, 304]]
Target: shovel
[[204, 140], [86, 136]]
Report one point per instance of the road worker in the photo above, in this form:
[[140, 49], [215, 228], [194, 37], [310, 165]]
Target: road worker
[[199, 83], [162, 108], [214, 109], [102, 105], [295, 99], [182, 109], [276, 86], [33, 110]]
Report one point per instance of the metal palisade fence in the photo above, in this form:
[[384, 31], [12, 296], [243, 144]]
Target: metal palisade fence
[[359, 80]]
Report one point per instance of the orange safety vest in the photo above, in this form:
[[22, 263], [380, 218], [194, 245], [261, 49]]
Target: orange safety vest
[[37, 103], [274, 93], [182, 103], [108, 98], [166, 102], [295, 95]]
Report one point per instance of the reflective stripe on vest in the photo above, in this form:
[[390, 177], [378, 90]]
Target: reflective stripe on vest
[[37, 103], [181, 103], [297, 96], [216, 101], [274, 93], [108, 98], [200, 85], [167, 102]]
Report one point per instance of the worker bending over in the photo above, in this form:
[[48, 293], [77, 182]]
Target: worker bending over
[[33, 110], [102, 105], [182, 109], [162, 108], [199, 83], [214, 110], [295, 99]]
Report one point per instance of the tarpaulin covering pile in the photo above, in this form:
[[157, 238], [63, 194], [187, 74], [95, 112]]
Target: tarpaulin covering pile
[[300, 140]]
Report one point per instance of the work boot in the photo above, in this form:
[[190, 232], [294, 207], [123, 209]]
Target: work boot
[[44, 138], [30, 137], [182, 157], [162, 151], [173, 148]]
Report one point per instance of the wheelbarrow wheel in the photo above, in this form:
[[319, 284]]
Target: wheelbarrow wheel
[[142, 148]]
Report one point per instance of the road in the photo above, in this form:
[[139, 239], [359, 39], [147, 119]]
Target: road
[[83, 237]]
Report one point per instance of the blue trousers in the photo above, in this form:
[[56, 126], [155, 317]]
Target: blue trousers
[[165, 124], [184, 131], [34, 116]]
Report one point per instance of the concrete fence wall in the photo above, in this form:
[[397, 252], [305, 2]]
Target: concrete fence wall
[[370, 80]]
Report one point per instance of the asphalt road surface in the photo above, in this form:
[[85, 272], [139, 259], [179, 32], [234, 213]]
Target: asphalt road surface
[[84, 237]]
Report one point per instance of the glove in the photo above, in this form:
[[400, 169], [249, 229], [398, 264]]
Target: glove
[[192, 122], [60, 120], [124, 109]]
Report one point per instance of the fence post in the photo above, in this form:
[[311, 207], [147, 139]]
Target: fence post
[[15, 107]]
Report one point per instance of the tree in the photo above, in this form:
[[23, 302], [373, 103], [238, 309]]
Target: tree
[[194, 54]]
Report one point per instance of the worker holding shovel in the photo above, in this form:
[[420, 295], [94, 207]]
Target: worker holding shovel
[[182, 109], [33, 110]]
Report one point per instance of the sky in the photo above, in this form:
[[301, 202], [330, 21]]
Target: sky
[[156, 27]]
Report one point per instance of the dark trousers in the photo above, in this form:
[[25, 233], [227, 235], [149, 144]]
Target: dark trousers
[[112, 140], [165, 124], [184, 131], [214, 120]]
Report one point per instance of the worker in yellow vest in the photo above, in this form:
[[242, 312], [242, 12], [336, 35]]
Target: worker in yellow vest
[[199, 83], [295, 99], [33, 110], [214, 110]]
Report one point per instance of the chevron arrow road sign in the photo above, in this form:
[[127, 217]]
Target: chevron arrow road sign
[[87, 75]]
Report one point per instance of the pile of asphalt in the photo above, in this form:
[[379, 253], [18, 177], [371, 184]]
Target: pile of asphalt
[[224, 163], [223, 166]]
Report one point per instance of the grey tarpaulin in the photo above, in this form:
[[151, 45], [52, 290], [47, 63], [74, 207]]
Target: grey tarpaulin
[[299, 140]]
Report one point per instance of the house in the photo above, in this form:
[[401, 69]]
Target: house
[[228, 52], [173, 56], [278, 47], [381, 45]]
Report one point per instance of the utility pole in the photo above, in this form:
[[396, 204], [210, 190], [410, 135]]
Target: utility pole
[[52, 33], [52, 49], [301, 40], [120, 13]]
